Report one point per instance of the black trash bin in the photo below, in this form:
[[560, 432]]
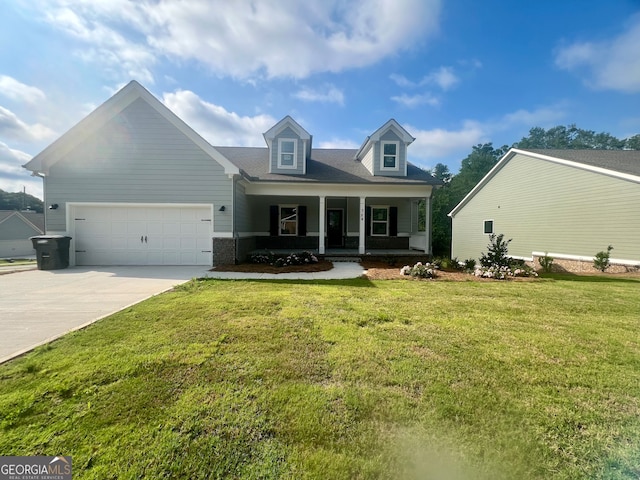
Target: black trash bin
[[52, 251]]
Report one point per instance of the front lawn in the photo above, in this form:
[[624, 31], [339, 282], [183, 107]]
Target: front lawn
[[342, 379]]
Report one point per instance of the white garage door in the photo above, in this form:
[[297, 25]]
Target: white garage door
[[142, 235]]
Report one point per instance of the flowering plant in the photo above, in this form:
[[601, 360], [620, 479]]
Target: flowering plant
[[420, 270], [503, 273]]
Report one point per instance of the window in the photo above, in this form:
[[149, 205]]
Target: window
[[488, 227], [287, 153], [389, 160], [380, 221], [289, 220]]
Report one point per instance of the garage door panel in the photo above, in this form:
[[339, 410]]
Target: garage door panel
[[131, 235]]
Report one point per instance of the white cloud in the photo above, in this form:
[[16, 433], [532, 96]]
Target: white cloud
[[412, 101], [97, 25], [13, 178], [12, 127], [436, 144], [441, 145], [15, 90], [540, 117], [245, 38], [612, 64], [443, 77], [330, 94], [217, 125]]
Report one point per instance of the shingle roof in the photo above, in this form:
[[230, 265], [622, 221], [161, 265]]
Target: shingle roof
[[324, 166], [623, 161]]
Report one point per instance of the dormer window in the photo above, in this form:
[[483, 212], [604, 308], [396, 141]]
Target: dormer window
[[389, 157], [287, 153]]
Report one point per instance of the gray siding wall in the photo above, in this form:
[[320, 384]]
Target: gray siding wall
[[242, 211], [300, 151], [547, 207], [138, 157], [259, 208], [404, 211], [390, 136], [14, 228]]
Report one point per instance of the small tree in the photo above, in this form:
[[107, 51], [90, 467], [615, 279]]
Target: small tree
[[602, 259], [546, 263], [497, 250]]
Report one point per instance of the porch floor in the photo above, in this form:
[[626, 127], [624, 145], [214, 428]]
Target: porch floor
[[345, 252]]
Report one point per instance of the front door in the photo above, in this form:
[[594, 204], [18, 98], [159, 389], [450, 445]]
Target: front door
[[335, 237]]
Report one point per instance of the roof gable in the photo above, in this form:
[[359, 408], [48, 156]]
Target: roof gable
[[614, 163], [33, 220], [41, 163], [282, 125], [391, 124]]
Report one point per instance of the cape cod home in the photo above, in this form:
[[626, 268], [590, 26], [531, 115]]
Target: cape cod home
[[569, 204], [132, 184]]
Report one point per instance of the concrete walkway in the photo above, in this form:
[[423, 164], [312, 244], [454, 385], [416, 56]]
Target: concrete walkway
[[38, 306]]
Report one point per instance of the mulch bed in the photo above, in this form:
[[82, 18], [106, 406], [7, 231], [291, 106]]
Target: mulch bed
[[320, 266], [379, 270]]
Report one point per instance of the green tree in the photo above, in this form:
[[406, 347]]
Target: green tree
[[20, 201], [476, 165], [569, 137]]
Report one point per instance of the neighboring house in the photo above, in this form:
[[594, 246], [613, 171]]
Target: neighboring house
[[15, 229], [133, 184], [570, 204]]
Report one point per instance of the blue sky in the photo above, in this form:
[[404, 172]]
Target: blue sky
[[455, 73]]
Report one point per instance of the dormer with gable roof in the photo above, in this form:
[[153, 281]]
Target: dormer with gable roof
[[384, 153], [289, 147]]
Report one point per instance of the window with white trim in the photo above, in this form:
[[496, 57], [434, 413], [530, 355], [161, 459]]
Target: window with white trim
[[488, 227], [288, 220], [389, 155], [287, 152], [379, 221]]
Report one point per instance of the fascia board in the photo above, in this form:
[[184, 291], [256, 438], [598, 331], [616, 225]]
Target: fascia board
[[339, 190], [483, 181]]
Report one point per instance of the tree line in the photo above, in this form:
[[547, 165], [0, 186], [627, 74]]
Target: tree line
[[20, 201], [483, 158]]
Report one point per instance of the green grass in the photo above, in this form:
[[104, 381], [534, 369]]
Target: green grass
[[17, 261], [342, 380]]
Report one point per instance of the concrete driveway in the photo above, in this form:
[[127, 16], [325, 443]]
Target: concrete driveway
[[38, 306]]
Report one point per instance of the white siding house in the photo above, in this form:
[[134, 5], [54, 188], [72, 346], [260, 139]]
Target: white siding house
[[570, 204]]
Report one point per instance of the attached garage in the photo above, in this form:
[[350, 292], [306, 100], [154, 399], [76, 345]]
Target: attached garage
[[141, 234]]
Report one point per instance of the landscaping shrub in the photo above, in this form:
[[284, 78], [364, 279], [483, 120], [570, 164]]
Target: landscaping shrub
[[284, 261], [602, 259], [420, 270], [546, 263], [497, 250], [496, 263]]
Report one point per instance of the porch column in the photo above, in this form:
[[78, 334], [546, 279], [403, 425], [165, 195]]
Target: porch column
[[323, 221], [427, 225], [361, 247]]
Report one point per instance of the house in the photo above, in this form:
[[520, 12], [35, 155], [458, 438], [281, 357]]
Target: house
[[15, 229], [133, 184], [569, 204]]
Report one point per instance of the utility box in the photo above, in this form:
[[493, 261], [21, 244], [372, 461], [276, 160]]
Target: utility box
[[52, 251]]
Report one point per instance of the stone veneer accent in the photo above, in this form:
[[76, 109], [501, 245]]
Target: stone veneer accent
[[224, 251], [581, 266]]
